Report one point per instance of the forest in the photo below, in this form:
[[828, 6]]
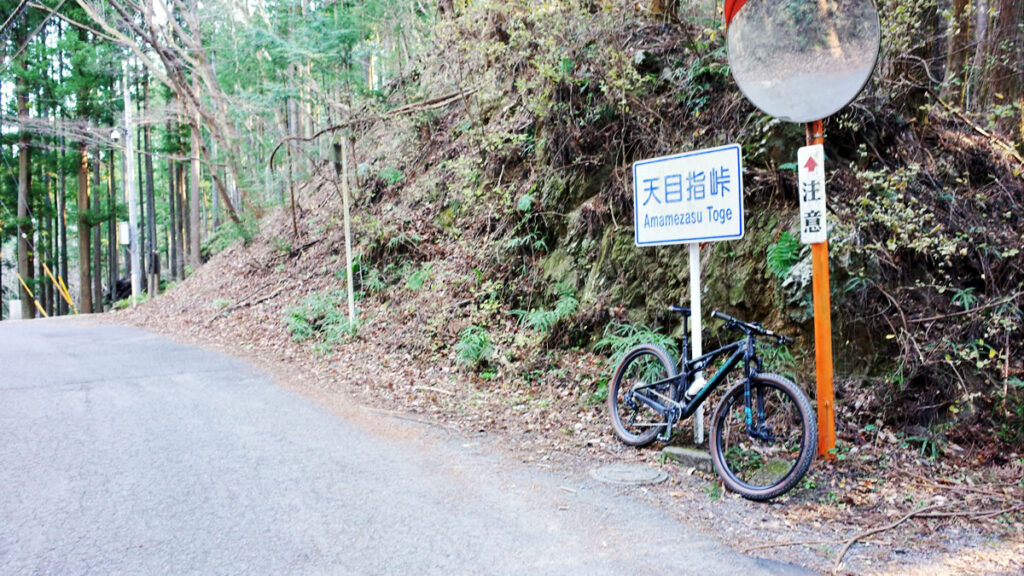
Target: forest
[[486, 148]]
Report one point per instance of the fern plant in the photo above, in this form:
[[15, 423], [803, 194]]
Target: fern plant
[[474, 347], [621, 338], [320, 317], [784, 254], [542, 319]]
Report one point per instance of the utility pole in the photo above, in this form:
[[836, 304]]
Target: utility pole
[[195, 236], [130, 191]]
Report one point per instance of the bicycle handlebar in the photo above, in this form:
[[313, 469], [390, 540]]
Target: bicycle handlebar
[[749, 327]]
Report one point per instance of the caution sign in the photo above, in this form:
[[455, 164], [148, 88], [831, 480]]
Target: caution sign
[[811, 169]]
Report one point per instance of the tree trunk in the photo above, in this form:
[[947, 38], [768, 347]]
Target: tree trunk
[[113, 269], [214, 198], [954, 83], [978, 91], [97, 250], [665, 9], [25, 249], [84, 256], [183, 237], [62, 220], [140, 183], [172, 219], [1007, 64], [152, 257], [43, 245], [195, 226]]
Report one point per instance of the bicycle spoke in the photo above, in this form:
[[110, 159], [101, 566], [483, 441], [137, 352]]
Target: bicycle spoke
[[764, 454], [634, 420]]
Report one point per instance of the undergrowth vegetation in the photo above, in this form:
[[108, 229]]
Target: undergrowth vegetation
[[515, 198], [321, 317]]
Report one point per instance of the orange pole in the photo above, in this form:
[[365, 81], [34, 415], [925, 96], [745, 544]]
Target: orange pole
[[822, 328]]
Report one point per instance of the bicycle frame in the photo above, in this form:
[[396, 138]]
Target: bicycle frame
[[679, 407]]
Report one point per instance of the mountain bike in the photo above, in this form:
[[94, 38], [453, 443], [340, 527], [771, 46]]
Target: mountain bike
[[763, 432]]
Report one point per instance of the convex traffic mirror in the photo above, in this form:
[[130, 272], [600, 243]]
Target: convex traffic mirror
[[803, 60]]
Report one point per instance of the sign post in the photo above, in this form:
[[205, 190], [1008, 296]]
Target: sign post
[[801, 61], [689, 199], [814, 231]]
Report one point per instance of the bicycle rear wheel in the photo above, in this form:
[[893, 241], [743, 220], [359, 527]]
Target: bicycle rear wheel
[[774, 457], [634, 422]]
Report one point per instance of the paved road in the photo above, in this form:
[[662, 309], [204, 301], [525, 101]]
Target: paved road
[[122, 452]]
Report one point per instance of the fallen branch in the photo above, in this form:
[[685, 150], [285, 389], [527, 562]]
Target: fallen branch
[[968, 489], [245, 304], [861, 535], [999, 302], [432, 389], [983, 514], [785, 544], [999, 142], [921, 513]]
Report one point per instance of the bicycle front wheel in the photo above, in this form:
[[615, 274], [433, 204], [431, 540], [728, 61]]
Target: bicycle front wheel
[[634, 421], [770, 456]]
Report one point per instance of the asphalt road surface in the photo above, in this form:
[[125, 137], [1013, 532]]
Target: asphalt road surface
[[122, 452]]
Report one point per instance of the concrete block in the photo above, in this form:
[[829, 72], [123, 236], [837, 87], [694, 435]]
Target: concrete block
[[690, 457]]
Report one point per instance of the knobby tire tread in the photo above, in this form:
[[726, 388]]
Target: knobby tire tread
[[808, 446], [627, 437]]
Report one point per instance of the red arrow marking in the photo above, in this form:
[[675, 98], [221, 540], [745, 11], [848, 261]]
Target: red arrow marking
[[810, 164]]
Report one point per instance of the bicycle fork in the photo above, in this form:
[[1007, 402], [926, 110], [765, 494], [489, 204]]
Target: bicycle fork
[[755, 428]]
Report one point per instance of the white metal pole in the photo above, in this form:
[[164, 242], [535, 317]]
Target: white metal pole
[[697, 344], [348, 233], [130, 190]]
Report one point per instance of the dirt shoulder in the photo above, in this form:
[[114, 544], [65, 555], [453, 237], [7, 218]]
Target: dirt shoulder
[[903, 514]]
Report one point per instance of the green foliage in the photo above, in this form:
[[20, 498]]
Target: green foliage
[[281, 246], [525, 203], [474, 347], [532, 240], [621, 338], [402, 240], [417, 279], [228, 233], [600, 393], [932, 443], [778, 359], [542, 319], [713, 490], [704, 72], [965, 297], [391, 175], [322, 317], [1009, 411], [125, 303], [783, 255], [373, 282]]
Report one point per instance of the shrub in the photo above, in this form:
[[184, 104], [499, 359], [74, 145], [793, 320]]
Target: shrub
[[620, 338], [474, 347], [322, 317], [542, 319]]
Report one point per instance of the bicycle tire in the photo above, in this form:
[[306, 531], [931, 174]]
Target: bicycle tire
[[757, 468], [643, 364]]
